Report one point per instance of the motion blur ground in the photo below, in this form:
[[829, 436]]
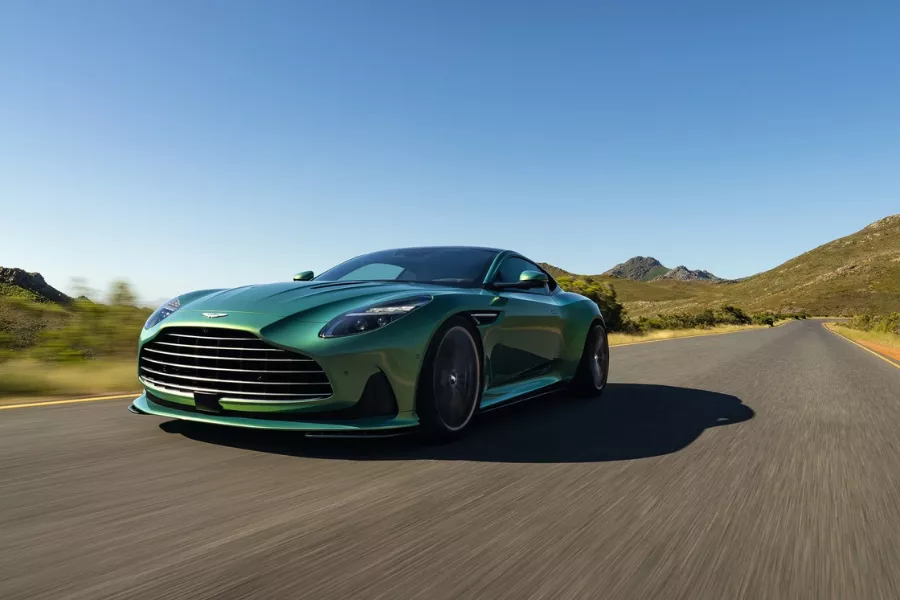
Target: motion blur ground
[[761, 464]]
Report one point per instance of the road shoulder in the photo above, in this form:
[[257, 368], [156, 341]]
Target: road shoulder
[[885, 353]]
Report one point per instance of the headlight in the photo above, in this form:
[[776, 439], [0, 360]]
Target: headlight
[[162, 312], [373, 317]]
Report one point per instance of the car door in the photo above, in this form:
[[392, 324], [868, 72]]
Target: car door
[[529, 336]]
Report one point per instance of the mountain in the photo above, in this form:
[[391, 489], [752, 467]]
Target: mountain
[[17, 282], [856, 274], [638, 268], [682, 273], [647, 268]]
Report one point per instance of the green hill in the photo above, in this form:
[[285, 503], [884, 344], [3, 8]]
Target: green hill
[[856, 274], [555, 272], [17, 283]]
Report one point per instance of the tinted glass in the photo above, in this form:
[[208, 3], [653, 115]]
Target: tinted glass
[[461, 266]]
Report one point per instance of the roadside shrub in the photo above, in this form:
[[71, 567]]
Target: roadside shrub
[[94, 330], [763, 319], [22, 321], [724, 315], [877, 323], [704, 320], [604, 295], [80, 331], [731, 315]]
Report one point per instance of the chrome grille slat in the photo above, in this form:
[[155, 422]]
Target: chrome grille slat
[[245, 382], [221, 347], [212, 360], [169, 386], [206, 337], [232, 357], [159, 362]]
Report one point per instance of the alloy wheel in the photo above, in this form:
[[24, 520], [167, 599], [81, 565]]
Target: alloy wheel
[[457, 377]]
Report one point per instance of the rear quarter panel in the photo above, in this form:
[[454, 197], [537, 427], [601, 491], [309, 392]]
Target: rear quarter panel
[[578, 314]]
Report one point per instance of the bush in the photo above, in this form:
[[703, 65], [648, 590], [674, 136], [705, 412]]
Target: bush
[[732, 315], [763, 319], [604, 295], [877, 323], [724, 315], [80, 331]]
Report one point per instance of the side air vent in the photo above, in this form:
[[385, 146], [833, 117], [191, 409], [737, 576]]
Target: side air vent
[[484, 317]]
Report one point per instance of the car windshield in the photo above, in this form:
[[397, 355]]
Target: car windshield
[[459, 266]]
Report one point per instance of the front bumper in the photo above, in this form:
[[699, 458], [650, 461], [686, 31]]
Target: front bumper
[[145, 405], [350, 363]]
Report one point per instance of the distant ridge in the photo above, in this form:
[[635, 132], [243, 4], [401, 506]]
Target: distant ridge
[[855, 274], [638, 268], [18, 282], [682, 273]]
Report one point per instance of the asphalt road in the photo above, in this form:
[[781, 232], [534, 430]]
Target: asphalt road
[[763, 464]]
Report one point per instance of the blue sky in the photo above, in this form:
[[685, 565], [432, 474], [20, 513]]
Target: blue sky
[[184, 145]]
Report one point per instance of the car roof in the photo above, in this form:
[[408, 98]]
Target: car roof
[[485, 248]]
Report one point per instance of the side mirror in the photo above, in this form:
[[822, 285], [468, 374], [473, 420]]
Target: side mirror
[[303, 276], [533, 279], [527, 280]]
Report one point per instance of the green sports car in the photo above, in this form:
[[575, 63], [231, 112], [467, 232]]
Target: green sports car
[[410, 338]]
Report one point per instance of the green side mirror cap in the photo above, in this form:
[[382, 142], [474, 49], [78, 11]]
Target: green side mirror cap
[[535, 277]]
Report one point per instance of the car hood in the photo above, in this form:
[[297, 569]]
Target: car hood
[[317, 301]]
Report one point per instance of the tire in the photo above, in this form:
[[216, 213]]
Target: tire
[[593, 370], [450, 383]]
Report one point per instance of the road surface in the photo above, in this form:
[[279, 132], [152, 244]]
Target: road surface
[[763, 464]]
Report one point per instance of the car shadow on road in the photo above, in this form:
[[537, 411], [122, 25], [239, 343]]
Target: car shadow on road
[[630, 421]]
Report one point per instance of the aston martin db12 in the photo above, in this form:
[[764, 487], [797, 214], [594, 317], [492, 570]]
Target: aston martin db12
[[410, 338]]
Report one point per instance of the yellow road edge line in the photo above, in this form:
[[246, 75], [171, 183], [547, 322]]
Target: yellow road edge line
[[869, 350], [687, 337], [73, 401]]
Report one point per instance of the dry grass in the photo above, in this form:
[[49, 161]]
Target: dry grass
[[888, 339], [619, 339], [884, 343], [19, 378]]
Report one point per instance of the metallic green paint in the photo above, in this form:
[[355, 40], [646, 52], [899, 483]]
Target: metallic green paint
[[535, 341], [534, 277]]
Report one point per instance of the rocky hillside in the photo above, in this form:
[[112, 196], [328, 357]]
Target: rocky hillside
[[682, 273], [638, 268], [647, 268], [859, 273], [17, 282], [856, 274]]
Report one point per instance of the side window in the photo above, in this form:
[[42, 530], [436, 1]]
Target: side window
[[512, 267]]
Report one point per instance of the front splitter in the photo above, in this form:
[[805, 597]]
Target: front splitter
[[359, 428]]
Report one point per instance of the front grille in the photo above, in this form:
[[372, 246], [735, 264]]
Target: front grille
[[229, 363]]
